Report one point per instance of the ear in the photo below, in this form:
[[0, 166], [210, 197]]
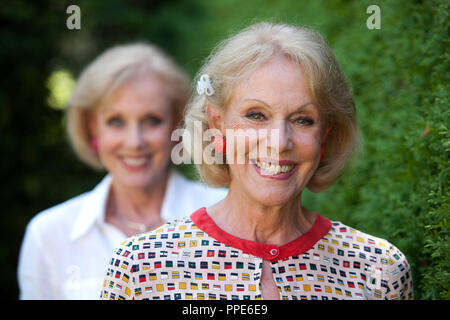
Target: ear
[[91, 120], [215, 118], [325, 133], [177, 121]]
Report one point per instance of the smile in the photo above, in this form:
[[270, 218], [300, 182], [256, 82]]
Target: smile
[[135, 162], [282, 169], [274, 169]]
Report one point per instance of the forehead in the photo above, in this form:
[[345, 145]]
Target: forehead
[[279, 82], [137, 95]]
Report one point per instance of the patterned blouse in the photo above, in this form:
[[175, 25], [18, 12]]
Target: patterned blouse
[[192, 258]]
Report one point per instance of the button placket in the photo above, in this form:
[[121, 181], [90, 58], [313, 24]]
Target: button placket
[[270, 290]]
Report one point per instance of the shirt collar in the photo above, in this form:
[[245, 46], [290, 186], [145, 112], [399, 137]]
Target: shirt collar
[[94, 203], [92, 208], [269, 252]]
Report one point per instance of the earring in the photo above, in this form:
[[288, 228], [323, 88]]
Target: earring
[[94, 144], [220, 144], [322, 152]]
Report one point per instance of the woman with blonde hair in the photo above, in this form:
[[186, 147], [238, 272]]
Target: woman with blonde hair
[[120, 118], [260, 242]]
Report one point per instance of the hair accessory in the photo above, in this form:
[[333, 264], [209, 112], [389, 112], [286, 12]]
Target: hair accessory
[[322, 152], [204, 86], [219, 144], [94, 144]]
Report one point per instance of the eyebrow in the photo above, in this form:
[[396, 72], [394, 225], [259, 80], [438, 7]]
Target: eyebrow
[[267, 105], [111, 110]]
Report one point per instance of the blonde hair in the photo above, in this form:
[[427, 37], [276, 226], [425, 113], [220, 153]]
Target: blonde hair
[[107, 73], [243, 53]]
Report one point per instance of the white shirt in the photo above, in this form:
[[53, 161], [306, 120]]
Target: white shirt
[[67, 248]]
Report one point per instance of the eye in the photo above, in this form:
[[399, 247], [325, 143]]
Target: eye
[[115, 122], [304, 121], [255, 115], [153, 121]]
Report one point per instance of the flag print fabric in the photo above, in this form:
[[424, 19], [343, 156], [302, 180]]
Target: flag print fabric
[[192, 258]]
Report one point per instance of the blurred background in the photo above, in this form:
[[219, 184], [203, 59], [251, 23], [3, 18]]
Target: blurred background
[[396, 188]]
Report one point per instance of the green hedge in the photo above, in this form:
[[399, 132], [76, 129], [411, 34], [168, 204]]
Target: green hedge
[[398, 188]]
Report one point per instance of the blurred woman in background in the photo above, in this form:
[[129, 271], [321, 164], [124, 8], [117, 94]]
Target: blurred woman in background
[[120, 118]]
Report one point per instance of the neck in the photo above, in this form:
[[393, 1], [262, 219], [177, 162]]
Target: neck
[[142, 205], [247, 218]]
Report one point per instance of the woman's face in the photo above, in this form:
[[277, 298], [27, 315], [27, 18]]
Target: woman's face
[[133, 128], [277, 97]]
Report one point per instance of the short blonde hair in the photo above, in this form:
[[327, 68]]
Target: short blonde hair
[[107, 73], [243, 53]]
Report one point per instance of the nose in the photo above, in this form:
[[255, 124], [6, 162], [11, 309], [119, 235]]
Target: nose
[[280, 136], [134, 139]]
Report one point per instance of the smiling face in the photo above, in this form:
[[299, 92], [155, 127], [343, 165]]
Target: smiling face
[[275, 96], [133, 128]]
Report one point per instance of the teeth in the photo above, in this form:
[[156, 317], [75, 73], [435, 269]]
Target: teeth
[[274, 169], [135, 162]]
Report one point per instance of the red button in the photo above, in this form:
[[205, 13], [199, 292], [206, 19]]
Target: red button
[[273, 252]]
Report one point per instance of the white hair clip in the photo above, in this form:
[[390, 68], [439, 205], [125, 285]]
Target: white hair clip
[[204, 86]]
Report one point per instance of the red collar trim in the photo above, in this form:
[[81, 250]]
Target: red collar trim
[[266, 251]]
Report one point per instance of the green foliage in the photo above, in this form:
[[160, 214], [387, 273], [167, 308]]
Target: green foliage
[[397, 186]]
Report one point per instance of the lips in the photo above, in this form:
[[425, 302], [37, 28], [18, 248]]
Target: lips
[[135, 162], [279, 170]]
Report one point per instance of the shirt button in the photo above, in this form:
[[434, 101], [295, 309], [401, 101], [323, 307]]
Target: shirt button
[[273, 252]]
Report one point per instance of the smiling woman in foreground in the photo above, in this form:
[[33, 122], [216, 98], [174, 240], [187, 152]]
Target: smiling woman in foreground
[[260, 242]]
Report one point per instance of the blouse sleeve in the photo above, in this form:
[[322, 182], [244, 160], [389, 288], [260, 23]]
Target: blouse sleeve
[[119, 282], [399, 285]]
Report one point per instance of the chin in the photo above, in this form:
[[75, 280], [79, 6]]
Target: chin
[[136, 183], [273, 198], [136, 180]]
